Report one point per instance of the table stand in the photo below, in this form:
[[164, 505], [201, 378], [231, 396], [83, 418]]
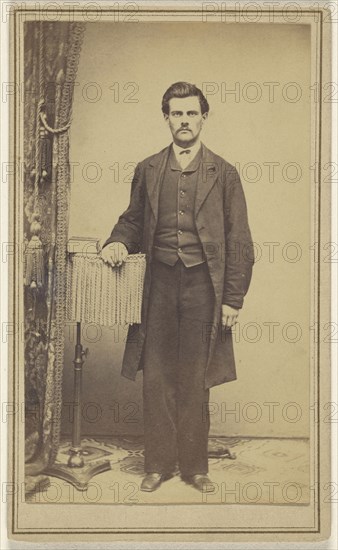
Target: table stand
[[81, 466]]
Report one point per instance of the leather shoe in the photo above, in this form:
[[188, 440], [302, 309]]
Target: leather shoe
[[151, 482], [201, 482]]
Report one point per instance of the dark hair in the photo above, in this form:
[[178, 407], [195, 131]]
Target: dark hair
[[184, 89]]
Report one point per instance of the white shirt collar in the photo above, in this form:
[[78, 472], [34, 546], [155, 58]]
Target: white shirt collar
[[194, 150]]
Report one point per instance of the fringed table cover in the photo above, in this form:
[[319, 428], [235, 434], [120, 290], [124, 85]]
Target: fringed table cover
[[98, 293]]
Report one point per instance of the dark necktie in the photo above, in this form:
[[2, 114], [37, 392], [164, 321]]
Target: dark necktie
[[184, 160]]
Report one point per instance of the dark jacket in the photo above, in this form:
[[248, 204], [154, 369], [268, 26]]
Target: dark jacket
[[222, 226]]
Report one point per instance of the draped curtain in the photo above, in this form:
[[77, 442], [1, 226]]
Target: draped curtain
[[51, 56]]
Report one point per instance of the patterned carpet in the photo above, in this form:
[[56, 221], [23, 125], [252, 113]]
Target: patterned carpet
[[244, 471]]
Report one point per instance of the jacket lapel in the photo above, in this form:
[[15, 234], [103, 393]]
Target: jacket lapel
[[207, 176], [154, 176]]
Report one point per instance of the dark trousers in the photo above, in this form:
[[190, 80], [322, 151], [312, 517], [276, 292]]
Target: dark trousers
[[176, 416]]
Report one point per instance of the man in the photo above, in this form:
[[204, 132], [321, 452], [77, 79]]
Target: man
[[187, 213]]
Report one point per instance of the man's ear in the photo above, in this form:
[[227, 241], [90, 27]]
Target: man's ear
[[205, 116], [166, 117]]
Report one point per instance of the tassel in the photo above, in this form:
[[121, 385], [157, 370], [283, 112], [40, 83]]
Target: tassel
[[34, 260], [45, 155]]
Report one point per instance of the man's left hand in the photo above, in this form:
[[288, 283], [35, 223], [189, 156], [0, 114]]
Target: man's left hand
[[229, 316]]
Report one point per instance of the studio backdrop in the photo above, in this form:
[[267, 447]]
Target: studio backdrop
[[257, 82]]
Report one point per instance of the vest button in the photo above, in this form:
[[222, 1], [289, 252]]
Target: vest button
[[179, 249], [181, 212], [180, 232]]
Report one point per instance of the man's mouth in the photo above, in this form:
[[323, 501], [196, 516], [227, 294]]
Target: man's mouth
[[184, 130]]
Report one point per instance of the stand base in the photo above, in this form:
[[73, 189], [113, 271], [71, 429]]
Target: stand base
[[80, 476], [225, 453]]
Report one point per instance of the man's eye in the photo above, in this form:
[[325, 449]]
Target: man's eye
[[192, 114], [176, 114]]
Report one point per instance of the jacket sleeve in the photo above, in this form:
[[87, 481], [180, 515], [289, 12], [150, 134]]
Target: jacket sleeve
[[129, 227], [239, 254]]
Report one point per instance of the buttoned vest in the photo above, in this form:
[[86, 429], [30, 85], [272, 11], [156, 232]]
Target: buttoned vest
[[176, 235]]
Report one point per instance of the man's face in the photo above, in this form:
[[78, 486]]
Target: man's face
[[185, 120]]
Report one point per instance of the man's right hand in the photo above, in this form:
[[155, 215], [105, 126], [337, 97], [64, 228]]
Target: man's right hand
[[114, 254]]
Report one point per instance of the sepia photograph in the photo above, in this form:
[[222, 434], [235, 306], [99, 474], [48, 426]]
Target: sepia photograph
[[171, 255]]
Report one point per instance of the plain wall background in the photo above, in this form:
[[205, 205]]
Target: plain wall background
[[110, 131]]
